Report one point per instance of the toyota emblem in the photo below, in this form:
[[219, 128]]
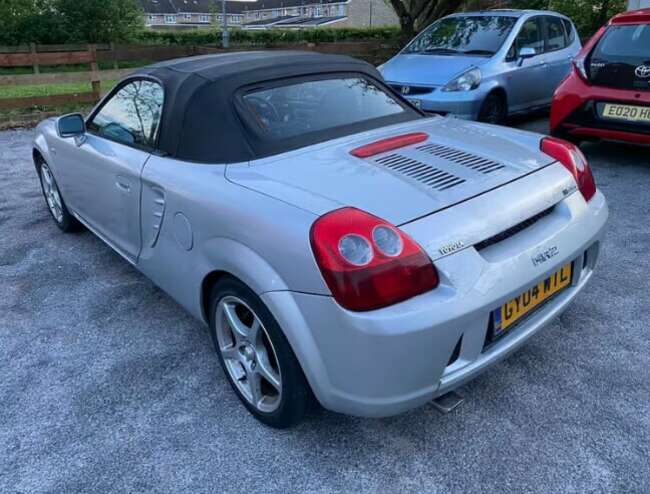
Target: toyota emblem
[[643, 71]]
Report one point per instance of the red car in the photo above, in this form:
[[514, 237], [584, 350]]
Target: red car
[[607, 94]]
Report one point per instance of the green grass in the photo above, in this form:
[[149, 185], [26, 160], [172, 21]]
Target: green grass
[[52, 69], [27, 91]]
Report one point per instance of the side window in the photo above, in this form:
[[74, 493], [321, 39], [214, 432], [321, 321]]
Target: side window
[[570, 32], [556, 39], [132, 115], [530, 36]]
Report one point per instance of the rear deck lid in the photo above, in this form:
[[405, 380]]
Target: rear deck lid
[[455, 161]]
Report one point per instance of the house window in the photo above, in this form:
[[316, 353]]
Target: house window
[[204, 18], [319, 12], [170, 19], [341, 9]]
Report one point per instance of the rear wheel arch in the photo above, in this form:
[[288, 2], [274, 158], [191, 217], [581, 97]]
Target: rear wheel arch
[[38, 158]]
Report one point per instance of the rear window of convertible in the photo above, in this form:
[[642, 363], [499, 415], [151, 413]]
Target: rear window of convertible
[[290, 109]]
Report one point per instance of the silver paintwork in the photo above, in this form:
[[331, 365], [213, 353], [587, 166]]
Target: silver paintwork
[[252, 220], [528, 83]]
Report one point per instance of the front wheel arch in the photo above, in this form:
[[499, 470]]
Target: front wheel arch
[[503, 96]]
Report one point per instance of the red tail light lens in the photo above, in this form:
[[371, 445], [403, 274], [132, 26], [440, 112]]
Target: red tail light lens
[[573, 160], [368, 263]]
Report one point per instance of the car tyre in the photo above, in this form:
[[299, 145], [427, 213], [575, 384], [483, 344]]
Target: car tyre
[[493, 110], [256, 356], [567, 137], [54, 200]]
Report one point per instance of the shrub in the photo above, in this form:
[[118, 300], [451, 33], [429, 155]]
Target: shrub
[[389, 35]]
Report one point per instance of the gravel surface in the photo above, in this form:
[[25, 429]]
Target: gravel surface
[[106, 384]]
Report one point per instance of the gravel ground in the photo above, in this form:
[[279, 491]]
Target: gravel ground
[[107, 385]]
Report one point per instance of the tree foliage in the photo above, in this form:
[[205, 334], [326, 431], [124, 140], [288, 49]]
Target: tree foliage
[[415, 15], [588, 15], [68, 21]]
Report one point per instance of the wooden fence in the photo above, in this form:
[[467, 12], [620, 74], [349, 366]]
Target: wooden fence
[[37, 56]]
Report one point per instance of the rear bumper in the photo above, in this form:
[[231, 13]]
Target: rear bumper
[[574, 112], [384, 362]]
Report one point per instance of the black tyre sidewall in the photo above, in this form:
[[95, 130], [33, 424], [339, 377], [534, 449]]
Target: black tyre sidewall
[[493, 98], [296, 394]]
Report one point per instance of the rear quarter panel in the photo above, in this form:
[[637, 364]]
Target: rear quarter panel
[[210, 224]]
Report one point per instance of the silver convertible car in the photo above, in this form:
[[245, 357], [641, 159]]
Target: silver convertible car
[[339, 244]]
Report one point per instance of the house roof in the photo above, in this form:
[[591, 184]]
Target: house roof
[[269, 22], [191, 6], [233, 6], [308, 21]]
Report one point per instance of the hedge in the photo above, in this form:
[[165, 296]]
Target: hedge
[[389, 35]]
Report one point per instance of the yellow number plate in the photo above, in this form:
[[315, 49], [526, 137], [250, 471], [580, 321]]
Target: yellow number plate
[[627, 112], [513, 310]]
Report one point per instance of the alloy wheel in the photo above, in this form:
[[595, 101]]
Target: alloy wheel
[[248, 354], [52, 195]]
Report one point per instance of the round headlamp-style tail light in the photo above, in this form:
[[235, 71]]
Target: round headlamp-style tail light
[[368, 263]]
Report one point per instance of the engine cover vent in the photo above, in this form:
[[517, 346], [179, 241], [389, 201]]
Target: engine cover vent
[[476, 163], [427, 175]]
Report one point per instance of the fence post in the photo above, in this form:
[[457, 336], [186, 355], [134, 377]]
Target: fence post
[[95, 81], [32, 49], [113, 55]]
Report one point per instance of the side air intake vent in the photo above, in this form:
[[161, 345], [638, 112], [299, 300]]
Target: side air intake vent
[[425, 174], [476, 163]]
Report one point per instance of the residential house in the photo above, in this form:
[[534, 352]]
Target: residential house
[[267, 14]]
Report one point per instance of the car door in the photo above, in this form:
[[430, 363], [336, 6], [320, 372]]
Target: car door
[[103, 170], [525, 75], [557, 54]]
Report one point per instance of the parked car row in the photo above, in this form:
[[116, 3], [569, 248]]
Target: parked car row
[[489, 65]]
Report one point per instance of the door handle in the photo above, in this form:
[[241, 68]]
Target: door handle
[[123, 187]]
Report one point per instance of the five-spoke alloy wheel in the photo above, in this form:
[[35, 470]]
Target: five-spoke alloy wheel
[[256, 356], [55, 203], [248, 354]]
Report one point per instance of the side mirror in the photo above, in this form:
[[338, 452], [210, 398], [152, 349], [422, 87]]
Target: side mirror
[[526, 52], [72, 125]]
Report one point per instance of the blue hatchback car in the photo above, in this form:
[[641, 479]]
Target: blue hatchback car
[[485, 65]]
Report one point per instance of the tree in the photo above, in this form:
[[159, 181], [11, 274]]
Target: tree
[[95, 21], [588, 15], [415, 15]]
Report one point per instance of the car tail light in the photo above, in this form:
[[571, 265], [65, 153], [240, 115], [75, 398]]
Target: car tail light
[[368, 263], [385, 145], [573, 160], [580, 66]]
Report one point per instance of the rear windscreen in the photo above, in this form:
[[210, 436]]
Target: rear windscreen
[[292, 109], [624, 42]]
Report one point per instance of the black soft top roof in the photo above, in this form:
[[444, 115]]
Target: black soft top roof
[[200, 121]]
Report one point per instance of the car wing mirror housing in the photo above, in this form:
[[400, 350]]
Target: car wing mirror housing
[[526, 52], [72, 125]]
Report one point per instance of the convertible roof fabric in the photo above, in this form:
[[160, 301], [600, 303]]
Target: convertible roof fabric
[[200, 121]]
